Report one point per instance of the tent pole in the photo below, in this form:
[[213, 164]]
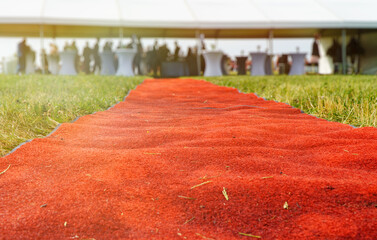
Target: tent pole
[[198, 52], [41, 36], [344, 51]]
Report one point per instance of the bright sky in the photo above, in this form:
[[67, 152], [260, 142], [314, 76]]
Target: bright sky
[[231, 47]]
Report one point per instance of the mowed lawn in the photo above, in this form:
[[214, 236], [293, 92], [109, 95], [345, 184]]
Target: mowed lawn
[[346, 99], [32, 106]]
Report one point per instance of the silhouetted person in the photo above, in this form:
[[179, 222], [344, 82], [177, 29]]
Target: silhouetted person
[[21, 53], [139, 56], [283, 64], [354, 50], [155, 59], [315, 51], [163, 53], [131, 44], [192, 63], [86, 54], [149, 58], [176, 51], [96, 57], [108, 46], [335, 52]]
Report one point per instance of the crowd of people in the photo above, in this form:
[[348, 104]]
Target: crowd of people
[[23, 52], [149, 60]]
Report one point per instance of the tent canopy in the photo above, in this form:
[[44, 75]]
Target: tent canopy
[[183, 18]]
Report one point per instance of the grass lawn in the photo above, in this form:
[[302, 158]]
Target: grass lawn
[[346, 99], [32, 106]]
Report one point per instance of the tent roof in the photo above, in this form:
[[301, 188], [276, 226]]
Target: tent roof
[[181, 18]]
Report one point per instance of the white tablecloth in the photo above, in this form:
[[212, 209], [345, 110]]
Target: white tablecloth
[[125, 60], [258, 60], [298, 64], [68, 63], [107, 63], [213, 63]]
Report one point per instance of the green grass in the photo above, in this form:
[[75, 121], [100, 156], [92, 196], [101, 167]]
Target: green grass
[[32, 106], [346, 99]]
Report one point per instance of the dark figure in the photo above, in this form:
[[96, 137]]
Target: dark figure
[[176, 51], [314, 59], [131, 44], [163, 53], [241, 65], [107, 46], [96, 57], [86, 54], [315, 51], [155, 59], [283, 64], [138, 57], [21, 53], [354, 50], [335, 52], [192, 63], [148, 58], [202, 63]]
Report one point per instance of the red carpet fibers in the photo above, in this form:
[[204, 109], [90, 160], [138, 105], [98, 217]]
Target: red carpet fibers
[[161, 164]]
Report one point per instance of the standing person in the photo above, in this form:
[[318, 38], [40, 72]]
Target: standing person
[[335, 52], [176, 51], [139, 56], [192, 63], [96, 57], [354, 50], [86, 54], [163, 53], [314, 60], [21, 53], [155, 59]]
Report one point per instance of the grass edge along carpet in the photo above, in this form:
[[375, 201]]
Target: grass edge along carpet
[[186, 159]]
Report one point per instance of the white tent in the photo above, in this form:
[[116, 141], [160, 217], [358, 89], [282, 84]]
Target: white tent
[[187, 18], [182, 18]]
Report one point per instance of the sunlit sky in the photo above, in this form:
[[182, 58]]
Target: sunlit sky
[[231, 47]]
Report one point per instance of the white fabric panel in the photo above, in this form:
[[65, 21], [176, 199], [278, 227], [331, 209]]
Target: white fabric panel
[[201, 14], [295, 11], [153, 12], [226, 11], [19, 10], [351, 10], [98, 12]]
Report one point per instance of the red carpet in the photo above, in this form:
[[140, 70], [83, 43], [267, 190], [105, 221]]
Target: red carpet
[[185, 159]]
